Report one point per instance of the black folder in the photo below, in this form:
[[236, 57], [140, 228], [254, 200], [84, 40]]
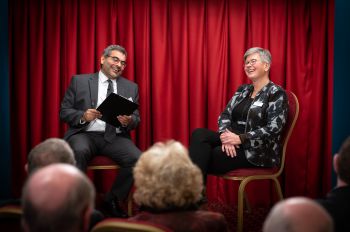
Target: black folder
[[115, 105]]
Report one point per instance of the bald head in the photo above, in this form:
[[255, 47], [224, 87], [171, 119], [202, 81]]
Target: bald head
[[298, 214], [57, 196]]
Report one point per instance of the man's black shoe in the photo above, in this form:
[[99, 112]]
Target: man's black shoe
[[114, 210]]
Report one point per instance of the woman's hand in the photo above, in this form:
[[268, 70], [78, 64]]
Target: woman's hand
[[229, 137], [229, 149]]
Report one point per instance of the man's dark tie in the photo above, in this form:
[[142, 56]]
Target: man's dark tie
[[110, 130]]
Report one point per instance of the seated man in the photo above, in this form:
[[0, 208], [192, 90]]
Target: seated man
[[298, 214], [168, 187], [89, 136], [337, 201], [57, 197]]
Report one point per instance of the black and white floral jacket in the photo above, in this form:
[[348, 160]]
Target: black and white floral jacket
[[265, 120]]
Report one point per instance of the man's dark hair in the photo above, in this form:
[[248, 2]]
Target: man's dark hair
[[110, 48]]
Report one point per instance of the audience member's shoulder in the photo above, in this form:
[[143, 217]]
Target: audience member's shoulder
[[215, 221], [337, 199], [210, 214]]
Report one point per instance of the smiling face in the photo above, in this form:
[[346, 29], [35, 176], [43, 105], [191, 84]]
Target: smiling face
[[113, 64], [255, 68]]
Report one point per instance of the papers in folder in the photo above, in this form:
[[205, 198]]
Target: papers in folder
[[115, 105]]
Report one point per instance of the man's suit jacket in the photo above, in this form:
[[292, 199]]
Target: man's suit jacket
[[82, 94]]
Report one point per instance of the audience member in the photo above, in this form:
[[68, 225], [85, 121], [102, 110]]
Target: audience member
[[337, 201], [50, 151], [298, 214], [57, 197], [168, 186]]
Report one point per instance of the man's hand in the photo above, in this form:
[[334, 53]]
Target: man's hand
[[125, 120], [91, 114]]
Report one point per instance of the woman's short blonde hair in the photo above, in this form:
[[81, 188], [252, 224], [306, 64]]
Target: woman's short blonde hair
[[165, 177]]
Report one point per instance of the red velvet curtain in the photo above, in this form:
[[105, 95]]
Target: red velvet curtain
[[186, 57]]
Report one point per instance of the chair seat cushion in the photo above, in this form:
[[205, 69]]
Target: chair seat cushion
[[251, 172], [101, 161]]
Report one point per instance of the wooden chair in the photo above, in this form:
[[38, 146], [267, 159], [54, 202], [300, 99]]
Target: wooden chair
[[116, 225], [104, 163], [246, 175], [10, 210], [10, 218]]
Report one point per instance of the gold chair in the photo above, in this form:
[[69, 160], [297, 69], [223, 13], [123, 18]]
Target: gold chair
[[104, 163], [10, 218], [11, 210], [118, 225], [246, 175]]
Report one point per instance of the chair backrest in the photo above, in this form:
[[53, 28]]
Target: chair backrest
[[293, 113], [10, 210], [10, 218], [117, 224]]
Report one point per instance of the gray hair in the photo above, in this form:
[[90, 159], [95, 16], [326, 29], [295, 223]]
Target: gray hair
[[264, 54], [113, 47], [52, 150]]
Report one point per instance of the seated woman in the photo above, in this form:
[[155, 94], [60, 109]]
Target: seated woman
[[168, 186], [250, 126]]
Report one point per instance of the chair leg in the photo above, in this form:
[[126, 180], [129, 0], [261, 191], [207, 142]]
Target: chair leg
[[278, 189], [240, 206], [130, 204], [246, 203]]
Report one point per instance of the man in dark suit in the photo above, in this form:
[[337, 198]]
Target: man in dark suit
[[89, 136], [337, 202]]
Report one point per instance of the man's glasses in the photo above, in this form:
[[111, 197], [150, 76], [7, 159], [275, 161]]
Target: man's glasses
[[251, 62], [117, 60]]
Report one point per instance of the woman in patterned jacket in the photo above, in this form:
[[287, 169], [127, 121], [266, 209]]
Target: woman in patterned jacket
[[250, 126]]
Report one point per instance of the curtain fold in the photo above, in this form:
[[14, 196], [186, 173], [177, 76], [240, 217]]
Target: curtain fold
[[186, 56]]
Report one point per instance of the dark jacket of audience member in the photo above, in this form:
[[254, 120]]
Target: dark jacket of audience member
[[337, 202]]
